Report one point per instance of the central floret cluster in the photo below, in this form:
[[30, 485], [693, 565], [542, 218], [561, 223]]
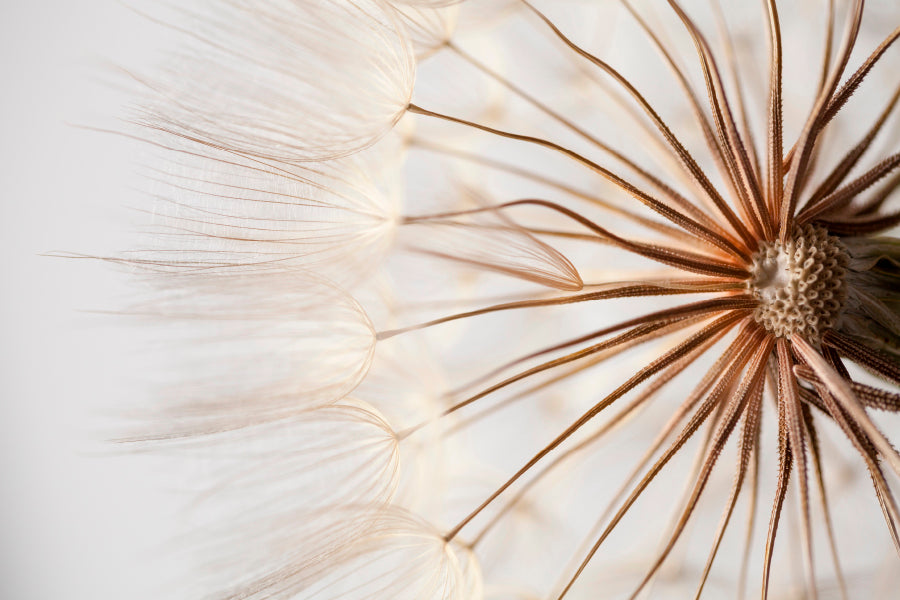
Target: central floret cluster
[[800, 283]]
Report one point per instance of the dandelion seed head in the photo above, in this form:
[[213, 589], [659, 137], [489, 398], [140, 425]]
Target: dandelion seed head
[[499, 206], [800, 284]]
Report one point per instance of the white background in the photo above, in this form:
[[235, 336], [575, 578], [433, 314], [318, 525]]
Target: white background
[[78, 520]]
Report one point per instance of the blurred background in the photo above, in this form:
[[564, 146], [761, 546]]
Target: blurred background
[[78, 518]]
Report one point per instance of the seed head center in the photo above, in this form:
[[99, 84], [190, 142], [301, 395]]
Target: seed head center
[[800, 283]]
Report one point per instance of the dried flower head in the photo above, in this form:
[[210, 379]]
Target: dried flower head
[[479, 274]]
